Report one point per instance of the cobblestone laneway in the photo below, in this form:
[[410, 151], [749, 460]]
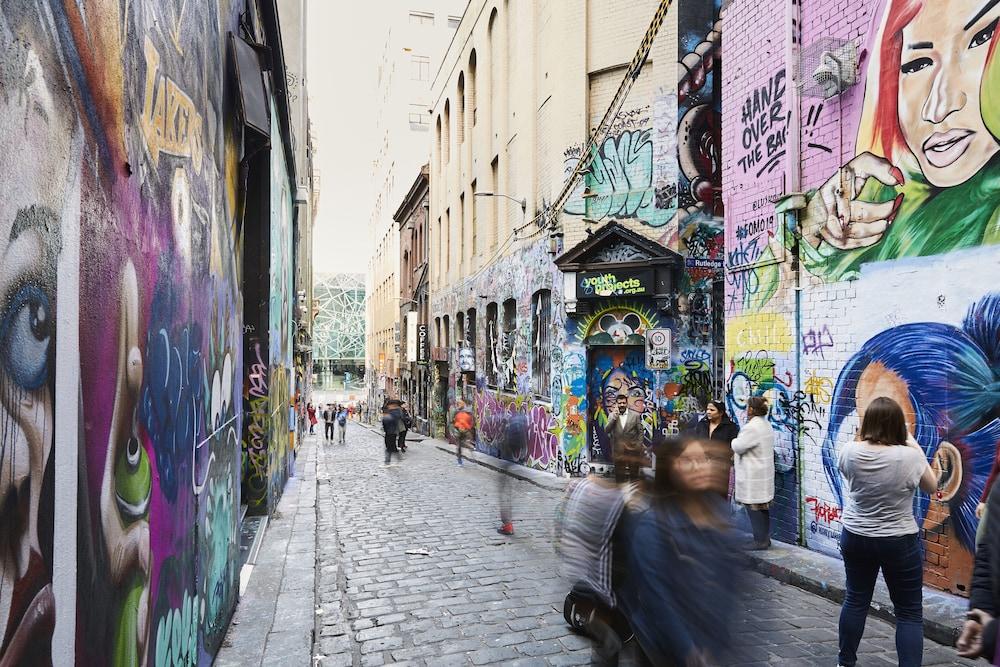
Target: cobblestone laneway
[[466, 595]]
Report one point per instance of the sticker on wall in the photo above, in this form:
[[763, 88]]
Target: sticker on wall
[[617, 324]]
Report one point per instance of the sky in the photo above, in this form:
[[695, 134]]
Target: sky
[[344, 38]]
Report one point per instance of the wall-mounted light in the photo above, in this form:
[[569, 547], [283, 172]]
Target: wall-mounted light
[[555, 242], [523, 203]]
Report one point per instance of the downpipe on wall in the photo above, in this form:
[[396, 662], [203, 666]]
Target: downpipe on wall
[[793, 182]]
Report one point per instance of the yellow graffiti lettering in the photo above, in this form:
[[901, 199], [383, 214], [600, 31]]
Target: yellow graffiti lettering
[[170, 122], [758, 331]]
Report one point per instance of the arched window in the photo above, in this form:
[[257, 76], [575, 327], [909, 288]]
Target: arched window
[[446, 133], [494, 65], [470, 94], [492, 344], [541, 342], [437, 143], [460, 115], [508, 377]]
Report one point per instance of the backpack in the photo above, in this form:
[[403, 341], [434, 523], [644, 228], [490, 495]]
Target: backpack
[[582, 607], [342, 419]]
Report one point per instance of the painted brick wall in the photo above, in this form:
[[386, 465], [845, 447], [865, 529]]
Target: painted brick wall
[[902, 317]]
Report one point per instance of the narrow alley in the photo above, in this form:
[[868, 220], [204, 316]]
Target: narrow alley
[[410, 570]]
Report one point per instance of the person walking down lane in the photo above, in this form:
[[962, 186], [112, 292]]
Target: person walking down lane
[[328, 421], [625, 431], [404, 422], [683, 603], [515, 440], [342, 425], [883, 469], [979, 635], [389, 423], [311, 410], [462, 423], [754, 465]]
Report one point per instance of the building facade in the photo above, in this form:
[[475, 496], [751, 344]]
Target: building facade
[[861, 256], [339, 336], [415, 40], [557, 260], [144, 165], [414, 301]]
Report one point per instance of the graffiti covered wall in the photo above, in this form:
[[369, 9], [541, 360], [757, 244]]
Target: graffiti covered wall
[[895, 251], [120, 334]]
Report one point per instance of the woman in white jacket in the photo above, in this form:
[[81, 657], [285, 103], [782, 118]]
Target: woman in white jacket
[[754, 464]]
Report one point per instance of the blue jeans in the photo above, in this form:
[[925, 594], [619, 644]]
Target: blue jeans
[[902, 566]]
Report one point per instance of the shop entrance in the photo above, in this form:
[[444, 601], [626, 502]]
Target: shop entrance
[[614, 370]]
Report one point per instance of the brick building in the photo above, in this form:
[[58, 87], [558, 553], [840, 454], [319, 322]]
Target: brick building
[[517, 323], [415, 39], [841, 287]]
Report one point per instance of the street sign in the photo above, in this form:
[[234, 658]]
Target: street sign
[[658, 349]]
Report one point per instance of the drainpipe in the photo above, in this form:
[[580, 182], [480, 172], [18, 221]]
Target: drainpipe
[[793, 183]]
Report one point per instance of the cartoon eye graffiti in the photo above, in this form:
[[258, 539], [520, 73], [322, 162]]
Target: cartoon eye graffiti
[[133, 480], [26, 337]]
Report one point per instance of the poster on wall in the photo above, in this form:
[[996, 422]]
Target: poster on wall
[[466, 359], [658, 349]]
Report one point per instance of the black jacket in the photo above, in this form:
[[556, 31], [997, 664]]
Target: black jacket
[[985, 593], [725, 432]]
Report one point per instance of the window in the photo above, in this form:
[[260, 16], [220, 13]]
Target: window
[[492, 345], [508, 343], [437, 332], [420, 68], [541, 341], [419, 118], [494, 206], [447, 241], [461, 233], [475, 232], [446, 323], [460, 329], [421, 18], [460, 116], [471, 90], [446, 133], [470, 328], [454, 21]]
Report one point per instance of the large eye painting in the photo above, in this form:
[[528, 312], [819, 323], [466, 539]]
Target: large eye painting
[[26, 337]]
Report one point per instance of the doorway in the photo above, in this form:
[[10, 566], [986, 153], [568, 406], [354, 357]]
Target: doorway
[[614, 370]]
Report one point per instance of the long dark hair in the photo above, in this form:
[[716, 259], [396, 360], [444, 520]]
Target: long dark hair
[[884, 422], [721, 407]]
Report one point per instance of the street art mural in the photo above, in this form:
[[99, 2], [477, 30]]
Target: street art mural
[[41, 197], [618, 371], [880, 285], [117, 225]]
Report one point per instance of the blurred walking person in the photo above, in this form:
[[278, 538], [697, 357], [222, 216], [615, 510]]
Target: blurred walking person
[[979, 635], [515, 440], [883, 469], [462, 424], [753, 448], [625, 431], [389, 423], [679, 582]]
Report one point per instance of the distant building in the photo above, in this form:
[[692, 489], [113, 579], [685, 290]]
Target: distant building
[[339, 332], [415, 42]]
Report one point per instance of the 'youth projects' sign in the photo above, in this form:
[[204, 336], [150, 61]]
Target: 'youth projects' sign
[[592, 285]]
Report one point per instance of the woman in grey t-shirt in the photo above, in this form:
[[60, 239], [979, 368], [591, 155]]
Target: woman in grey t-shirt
[[883, 470]]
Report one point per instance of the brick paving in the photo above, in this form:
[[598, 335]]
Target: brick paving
[[465, 595]]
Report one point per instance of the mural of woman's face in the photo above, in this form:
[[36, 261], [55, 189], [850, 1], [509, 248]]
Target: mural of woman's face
[[619, 382], [30, 211], [942, 63]]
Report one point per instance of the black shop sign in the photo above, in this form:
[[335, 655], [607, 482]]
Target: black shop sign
[[600, 284]]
